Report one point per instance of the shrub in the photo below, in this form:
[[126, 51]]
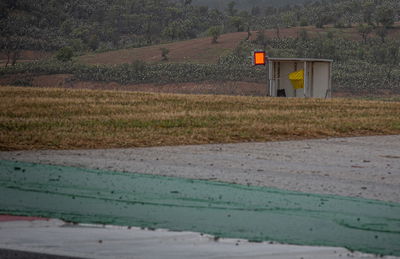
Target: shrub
[[164, 53], [65, 54]]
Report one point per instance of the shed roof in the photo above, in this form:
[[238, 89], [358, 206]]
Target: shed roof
[[300, 60]]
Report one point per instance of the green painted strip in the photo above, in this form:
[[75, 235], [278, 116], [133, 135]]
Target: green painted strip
[[225, 210]]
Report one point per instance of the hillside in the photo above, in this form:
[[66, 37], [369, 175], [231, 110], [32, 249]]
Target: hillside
[[102, 25], [79, 27], [363, 66], [201, 50], [362, 37], [193, 51], [198, 50], [246, 4]]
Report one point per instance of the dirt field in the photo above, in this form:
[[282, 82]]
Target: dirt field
[[197, 51]]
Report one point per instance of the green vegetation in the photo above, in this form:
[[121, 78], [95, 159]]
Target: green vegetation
[[140, 72], [246, 4], [75, 27], [214, 32], [65, 54], [164, 54], [104, 24], [37, 118], [359, 66], [88, 25]]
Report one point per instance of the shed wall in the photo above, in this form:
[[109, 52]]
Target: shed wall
[[321, 75]]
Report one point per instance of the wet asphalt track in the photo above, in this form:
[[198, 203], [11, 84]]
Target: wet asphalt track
[[358, 167], [367, 167]]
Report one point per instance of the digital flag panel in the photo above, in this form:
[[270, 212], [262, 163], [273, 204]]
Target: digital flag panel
[[259, 58]]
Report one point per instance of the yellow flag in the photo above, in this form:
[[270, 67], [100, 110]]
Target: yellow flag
[[297, 79]]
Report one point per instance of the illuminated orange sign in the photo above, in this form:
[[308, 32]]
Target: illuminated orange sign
[[259, 58]]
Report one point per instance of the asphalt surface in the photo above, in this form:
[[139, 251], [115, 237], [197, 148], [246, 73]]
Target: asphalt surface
[[225, 210], [367, 167], [55, 239]]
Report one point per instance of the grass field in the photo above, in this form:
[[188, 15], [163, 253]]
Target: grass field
[[43, 118]]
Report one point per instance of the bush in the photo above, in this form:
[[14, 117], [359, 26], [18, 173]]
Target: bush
[[164, 53], [65, 54], [22, 81]]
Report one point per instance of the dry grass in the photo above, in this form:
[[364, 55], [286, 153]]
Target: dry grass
[[40, 118]]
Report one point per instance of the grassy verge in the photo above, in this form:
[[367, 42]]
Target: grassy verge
[[38, 118]]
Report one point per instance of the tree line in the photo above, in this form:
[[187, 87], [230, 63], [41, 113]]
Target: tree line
[[86, 25]]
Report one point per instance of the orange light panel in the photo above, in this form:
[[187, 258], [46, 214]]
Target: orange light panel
[[259, 58]]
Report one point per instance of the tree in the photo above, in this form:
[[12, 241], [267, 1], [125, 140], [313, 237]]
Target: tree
[[214, 32], [15, 33], [270, 11], [303, 22], [261, 39], [237, 22], [277, 31], [382, 32], [364, 31], [187, 2], [67, 26], [248, 32], [171, 31], [322, 19], [368, 10], [276, 22], [231, 8], [288, 19], [11, 46], [93, 41], [385, 16], [393, 53], [150, 30], [255, 11], [302, 35]]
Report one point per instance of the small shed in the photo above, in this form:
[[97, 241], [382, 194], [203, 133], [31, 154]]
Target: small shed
[[314, 77]]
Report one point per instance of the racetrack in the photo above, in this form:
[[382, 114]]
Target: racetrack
[[367, 167], [223, 210], [126, 189]]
